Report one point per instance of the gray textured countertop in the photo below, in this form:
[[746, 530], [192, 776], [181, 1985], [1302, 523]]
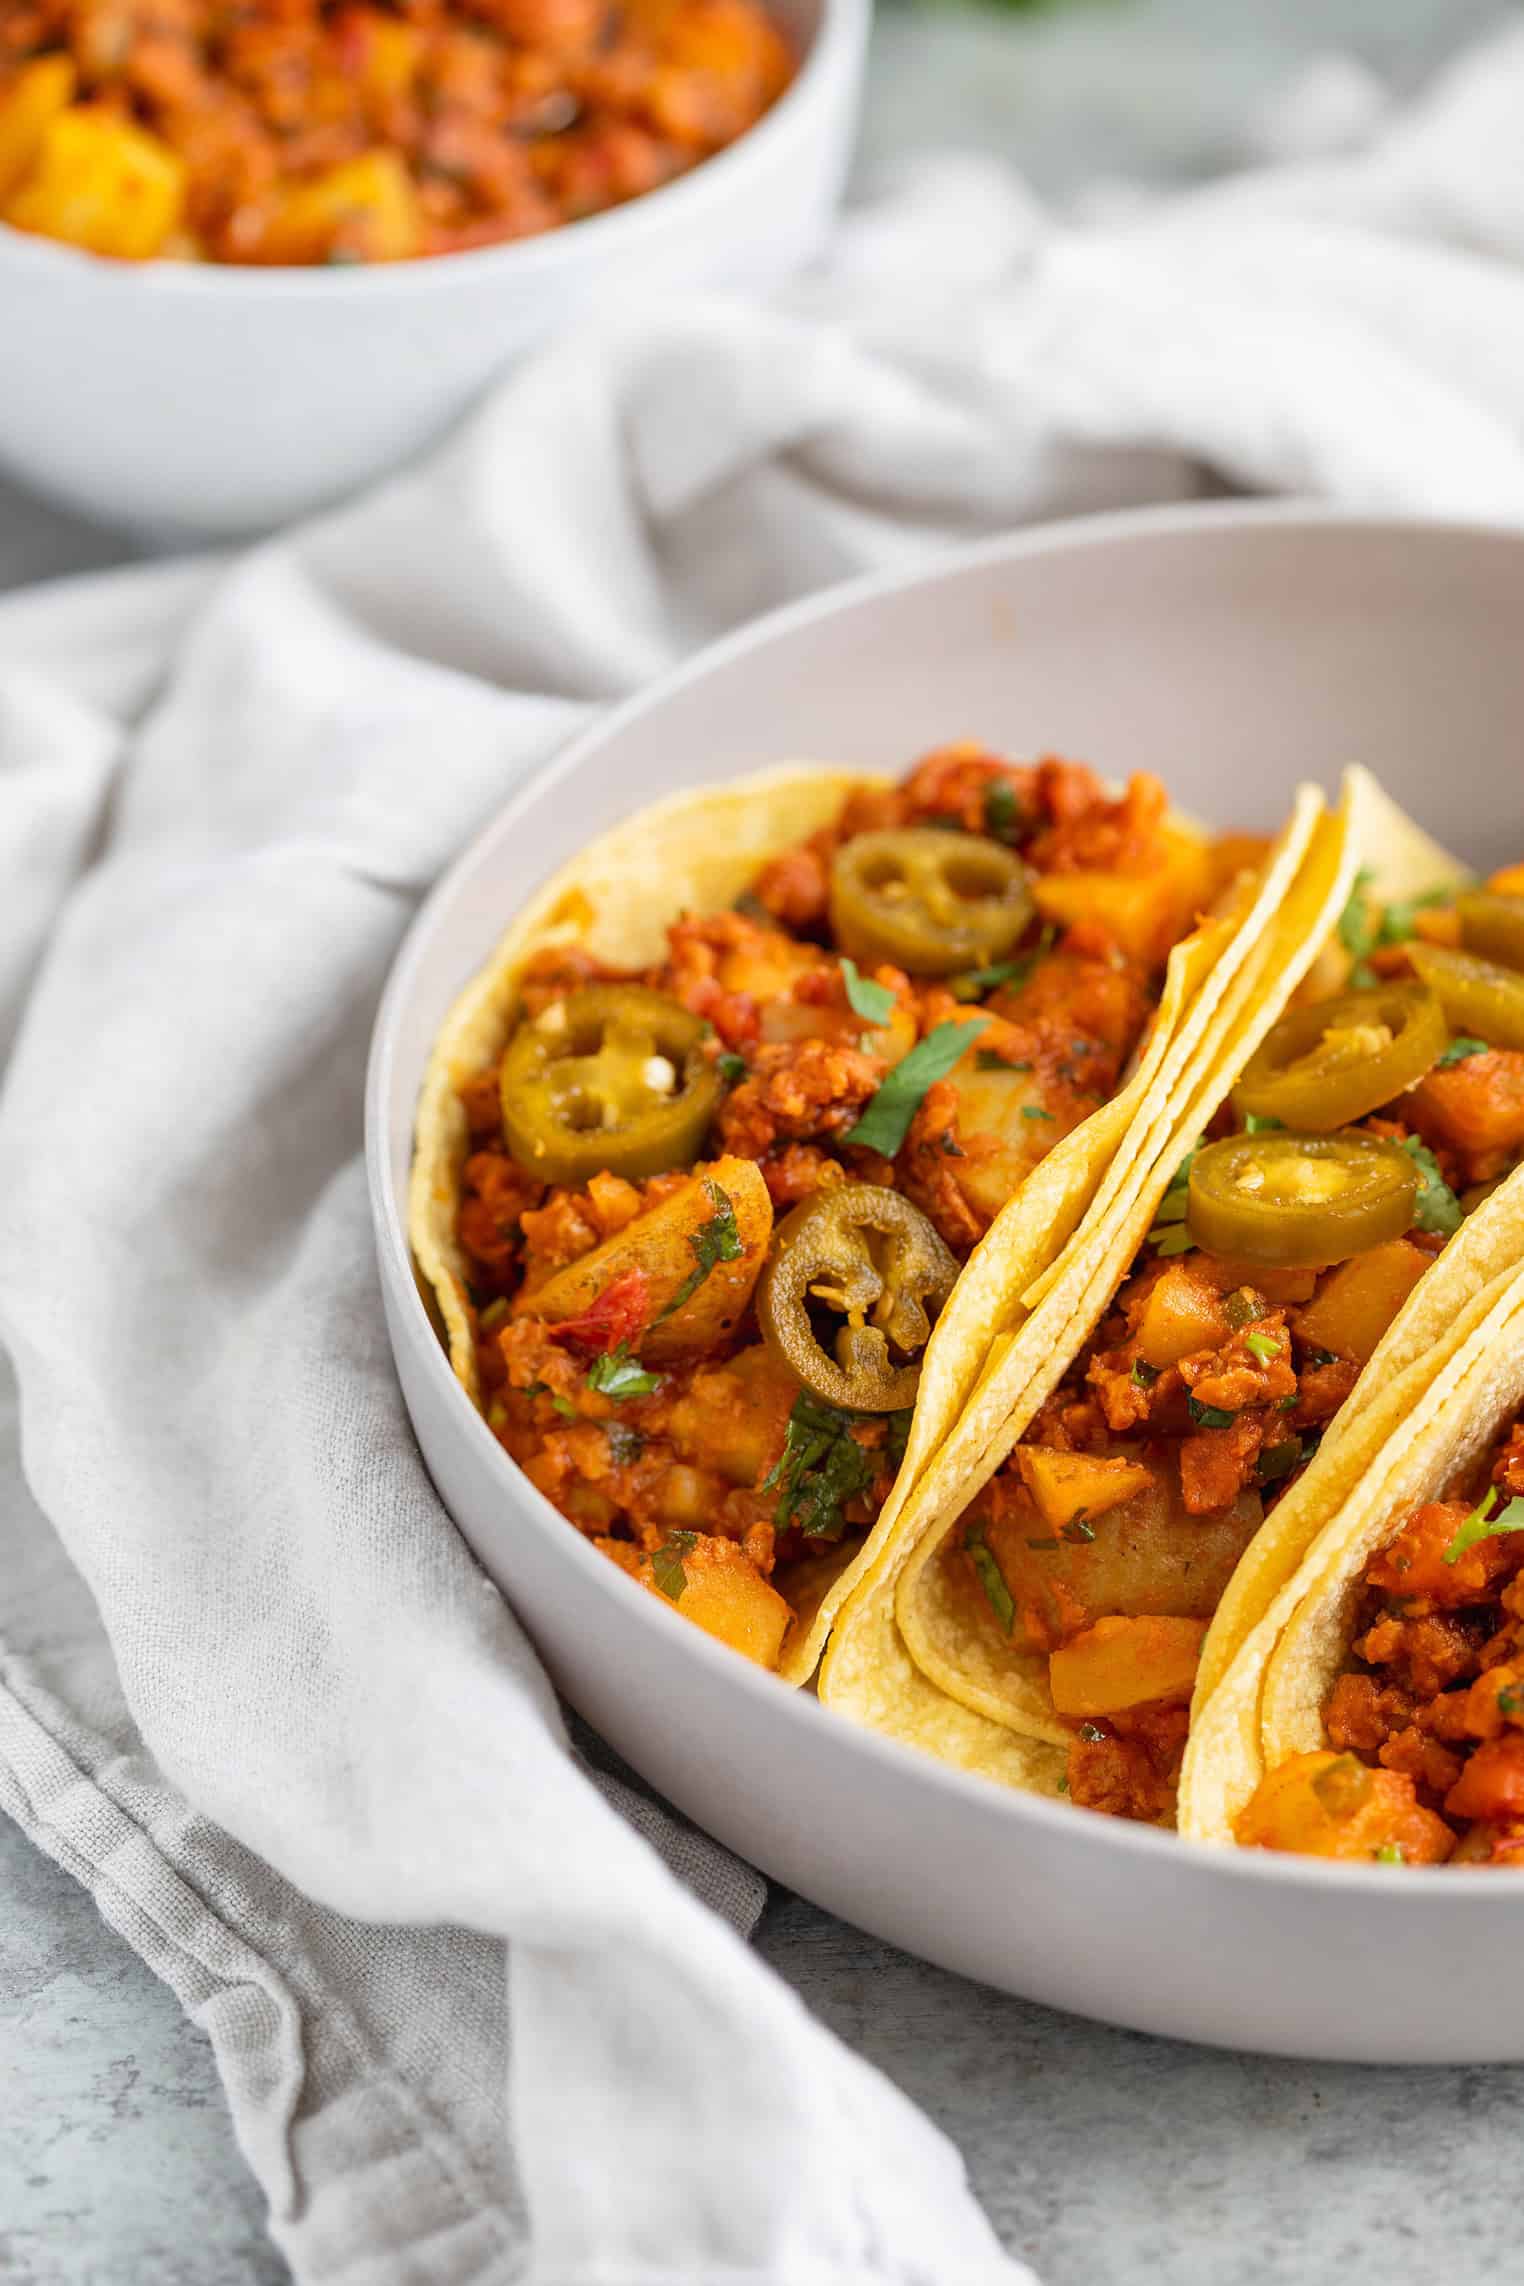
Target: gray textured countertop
[[1101, 2156]]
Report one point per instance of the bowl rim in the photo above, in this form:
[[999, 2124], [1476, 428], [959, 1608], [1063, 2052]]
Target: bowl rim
[[979, 1798], [834, 48]]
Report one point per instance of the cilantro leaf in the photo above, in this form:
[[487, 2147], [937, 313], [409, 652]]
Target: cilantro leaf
[[1079, 1530], [717, 1240], [731, 1067], [991, 1060], [1391, 1853], [1034, 1111], [873, 1002], [992, 1579], [821, 1467], [1436, 1207], [1276, 1461], [1182, 1174], [1168, 1239], [618, 1375], [1143, 1374], [974, 982], [565, 1407], [1480, 1526], [1004, 818], [1397, 922], [897, 1437], [624, 1444], [1209, 1416], [667, 1564], [1359, 925], [886, 1120], [1459, 1051]]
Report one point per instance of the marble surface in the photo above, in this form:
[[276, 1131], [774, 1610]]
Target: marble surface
[[1101, 2156]]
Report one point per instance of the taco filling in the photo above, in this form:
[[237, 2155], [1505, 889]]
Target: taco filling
[[1361, 1133], [1426, 1725], [712, 1208]]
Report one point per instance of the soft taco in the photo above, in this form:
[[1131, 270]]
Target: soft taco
[[714, 1160], [1185, 1398], [1376, 1713]]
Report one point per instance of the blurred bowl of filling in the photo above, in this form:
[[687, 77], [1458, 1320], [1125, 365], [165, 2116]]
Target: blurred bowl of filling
[[252, 257]]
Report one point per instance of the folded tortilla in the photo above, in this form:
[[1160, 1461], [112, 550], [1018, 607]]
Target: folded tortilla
[[696, 852]]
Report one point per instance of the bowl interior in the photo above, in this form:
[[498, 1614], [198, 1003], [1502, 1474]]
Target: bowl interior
[[1234, 651]]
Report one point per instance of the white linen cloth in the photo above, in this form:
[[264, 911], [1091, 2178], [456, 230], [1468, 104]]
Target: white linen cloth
[[252, 1690]]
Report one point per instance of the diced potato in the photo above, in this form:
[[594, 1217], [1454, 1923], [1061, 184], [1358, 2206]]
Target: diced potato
[[720, 1591], [1509, 882], [28, 107], [1145, 912], [1121, 1663], [1359, 1300], [368, 206], [391, 53], [1182, 1314], [1148, 1558], [659, 1244], [1004, 1125], [1066, 1485], [732, 1419], [789, 1020], [1331, 1805], [103, 184]]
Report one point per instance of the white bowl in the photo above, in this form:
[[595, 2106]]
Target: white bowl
[[198, 401], [1233, 650]]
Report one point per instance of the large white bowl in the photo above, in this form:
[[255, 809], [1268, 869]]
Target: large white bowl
[[1233, 651], [199, 401]]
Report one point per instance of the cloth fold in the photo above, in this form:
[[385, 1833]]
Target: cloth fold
[[252, 1689]]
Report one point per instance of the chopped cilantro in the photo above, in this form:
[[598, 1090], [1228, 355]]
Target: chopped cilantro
[[974, 982], [873, 1002], [1144, 1375], [1209, 1416], [992, 1579], [1049, 1540], [1063, 1783], [1288, 1404], [1391, 1853], [1279, 1460], [565, 1407], [1242, 1307], [821, 1467], [886, 1121], [1172, 1207], [1436, 1207], [1509, 1703], [754, 910], [1459, 1052], [897, 1434], [1359, 924], [1078, 1530], [1091, 1733], [618, 1375], [991, 1060], [1171, 1238], [1398, 922], [731, 1067], [1262, 1347], [1034, 1111], [717, 1240], [625, 1445], [1182, 1174], [1480, 1526], [1320, 1357], [1004, 818], [667, 1563]]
